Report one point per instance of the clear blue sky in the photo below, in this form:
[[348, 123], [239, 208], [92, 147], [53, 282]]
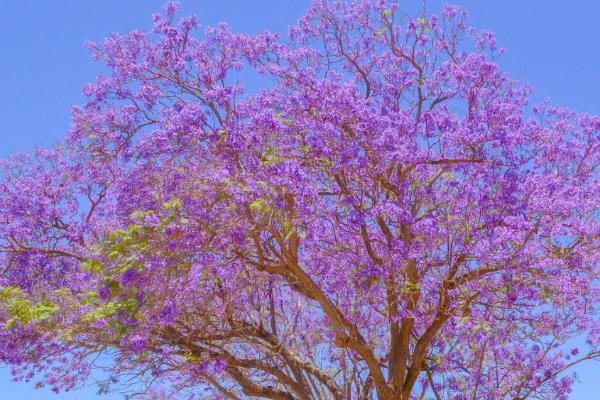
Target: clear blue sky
[[554, 45]]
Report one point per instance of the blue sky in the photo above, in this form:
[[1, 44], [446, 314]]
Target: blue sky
[[554, 45]]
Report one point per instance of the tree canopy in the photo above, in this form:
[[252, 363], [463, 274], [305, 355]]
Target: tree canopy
[[387, 218]]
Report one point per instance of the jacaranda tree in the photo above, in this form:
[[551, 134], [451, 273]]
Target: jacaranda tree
[[386, 219]]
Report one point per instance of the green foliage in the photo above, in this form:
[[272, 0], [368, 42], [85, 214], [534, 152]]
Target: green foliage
[[272, 157], [172, 205], [22, 310], [285, 121], [223, 133], [411, 287], [260, 205], [92, 265]]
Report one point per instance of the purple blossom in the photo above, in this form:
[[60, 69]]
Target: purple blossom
[[389, 208]]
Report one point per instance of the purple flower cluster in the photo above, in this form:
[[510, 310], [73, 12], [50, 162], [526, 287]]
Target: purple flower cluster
[[388, 219]]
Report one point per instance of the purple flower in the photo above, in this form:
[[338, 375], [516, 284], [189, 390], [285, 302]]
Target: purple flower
[[129, 276], [410, 211], [137, 343], [104, 293], [151, 221], [168, 314]]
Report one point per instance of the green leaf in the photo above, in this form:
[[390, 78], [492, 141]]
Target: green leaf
[[92, 265], [172, 205], [22, 310], [114, 287], [223, 133], [259, 205]]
